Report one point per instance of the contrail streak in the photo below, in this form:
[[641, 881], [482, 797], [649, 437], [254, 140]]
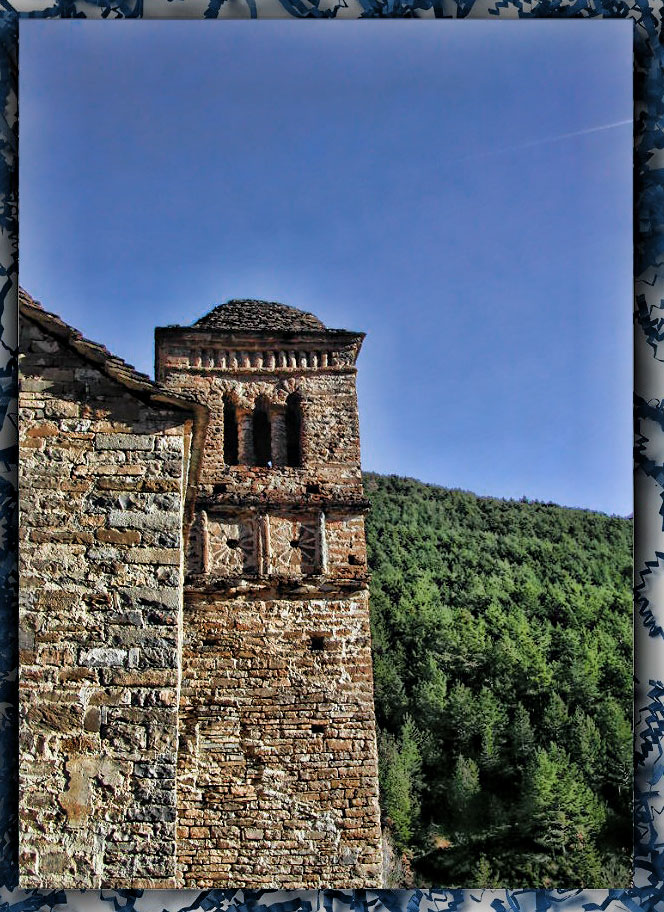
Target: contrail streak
[[541, 142]]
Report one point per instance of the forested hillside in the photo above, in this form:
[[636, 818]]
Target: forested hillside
[[502, 635]]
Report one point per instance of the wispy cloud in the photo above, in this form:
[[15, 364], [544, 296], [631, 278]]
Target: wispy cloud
[[542, 142]]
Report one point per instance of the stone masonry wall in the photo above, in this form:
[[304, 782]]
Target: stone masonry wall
[[277, 749], [277, 776], [331, 434], [101, 479]]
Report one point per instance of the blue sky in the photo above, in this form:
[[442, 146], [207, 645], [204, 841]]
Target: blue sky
[[461, 191]]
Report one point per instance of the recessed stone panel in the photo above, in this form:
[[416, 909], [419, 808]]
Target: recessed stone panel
[[292, 546], [231, 547]]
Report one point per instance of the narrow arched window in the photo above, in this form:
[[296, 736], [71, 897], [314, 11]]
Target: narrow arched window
[[230, 433], [294, 430], [262, 433]]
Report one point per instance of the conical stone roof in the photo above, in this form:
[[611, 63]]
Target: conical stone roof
[[246, 315]]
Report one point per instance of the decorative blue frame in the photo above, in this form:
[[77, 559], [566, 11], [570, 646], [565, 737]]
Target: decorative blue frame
[[648, 890]]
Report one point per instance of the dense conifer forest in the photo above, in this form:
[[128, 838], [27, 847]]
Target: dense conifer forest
[[502, 638]]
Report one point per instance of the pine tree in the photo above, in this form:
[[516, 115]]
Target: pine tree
[[463, 791], [521, 736], [400, 769], [558, 809]]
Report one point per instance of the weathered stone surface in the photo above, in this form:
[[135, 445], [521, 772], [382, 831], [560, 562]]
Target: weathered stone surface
[[78, 759], [277, 767], [229, 740], [253, 694], [102, 657], [126, 442], [135, 519]]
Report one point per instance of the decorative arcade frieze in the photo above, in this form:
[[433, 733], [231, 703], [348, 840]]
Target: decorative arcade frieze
[[245, 360]]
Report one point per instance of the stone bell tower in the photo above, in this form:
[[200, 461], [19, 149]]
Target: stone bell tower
[[277, 768]]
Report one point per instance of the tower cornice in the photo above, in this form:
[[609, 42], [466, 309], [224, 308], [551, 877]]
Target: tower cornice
[[201, 349], [308, 336]]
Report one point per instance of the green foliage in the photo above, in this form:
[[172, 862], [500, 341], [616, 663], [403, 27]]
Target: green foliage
[[464, 791], [400, 768], [502, 636], [558, 808]]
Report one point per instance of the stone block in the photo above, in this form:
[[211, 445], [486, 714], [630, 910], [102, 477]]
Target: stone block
[[43, 429], [153, 556], [103, 657], [118, 537], [128, 442], [92, 719], [143, 595], [132, 519]]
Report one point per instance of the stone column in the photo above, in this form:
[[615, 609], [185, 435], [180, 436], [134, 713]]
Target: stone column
[[278, 419], [263, 544], [245, 437], [204, 543], [321, 544]]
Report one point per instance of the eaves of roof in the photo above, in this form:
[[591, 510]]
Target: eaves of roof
[[137, 383]]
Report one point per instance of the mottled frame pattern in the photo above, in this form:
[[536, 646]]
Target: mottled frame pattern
[[648, 890]]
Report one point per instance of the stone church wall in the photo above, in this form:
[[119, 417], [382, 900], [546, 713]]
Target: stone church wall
[[277, 774], [101, 480], [277, 747], [227, 740]]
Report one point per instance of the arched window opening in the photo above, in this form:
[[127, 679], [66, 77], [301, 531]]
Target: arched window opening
[[262, 433], [294, 430], [231, 456]]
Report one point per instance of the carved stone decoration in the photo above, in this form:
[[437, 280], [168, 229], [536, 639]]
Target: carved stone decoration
[[197, 550], [293, 546], [231, 547], [308, 539], [248, 534]]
